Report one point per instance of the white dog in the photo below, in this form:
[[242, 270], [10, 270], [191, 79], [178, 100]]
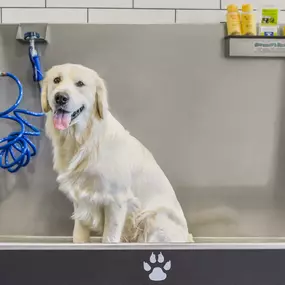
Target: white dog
[[115, 184]]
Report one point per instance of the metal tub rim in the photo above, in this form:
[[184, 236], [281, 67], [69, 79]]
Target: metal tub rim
[[201, 243]]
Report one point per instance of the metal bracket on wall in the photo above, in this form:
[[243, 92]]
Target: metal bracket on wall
[[255, 46], [42, 29]]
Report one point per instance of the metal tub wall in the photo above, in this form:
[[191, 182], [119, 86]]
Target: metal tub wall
[[215, 125]]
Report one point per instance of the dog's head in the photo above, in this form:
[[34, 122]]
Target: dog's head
[[73, 92]]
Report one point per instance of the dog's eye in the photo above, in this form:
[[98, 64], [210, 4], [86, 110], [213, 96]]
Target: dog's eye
[[79, 84], [57, 80]]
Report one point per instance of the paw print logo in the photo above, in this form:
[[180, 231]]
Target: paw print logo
[[157, 267]]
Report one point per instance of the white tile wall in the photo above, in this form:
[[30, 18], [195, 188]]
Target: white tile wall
[[123, 11], [256, 3], [178, 4], [44, 15], [22, 3], [131, 16], [90, 3], [203, 16]]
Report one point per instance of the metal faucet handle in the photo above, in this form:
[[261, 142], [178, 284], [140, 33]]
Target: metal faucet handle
[[31, 36]]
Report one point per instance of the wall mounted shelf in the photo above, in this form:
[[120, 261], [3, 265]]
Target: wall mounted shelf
[[255, 46]]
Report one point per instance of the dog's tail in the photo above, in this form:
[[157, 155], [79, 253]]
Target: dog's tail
[[142, 225]]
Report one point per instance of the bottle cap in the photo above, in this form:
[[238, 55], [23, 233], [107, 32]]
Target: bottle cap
[[247, 8], [232, 8]]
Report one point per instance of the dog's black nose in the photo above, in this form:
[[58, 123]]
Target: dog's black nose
[[61, 98]]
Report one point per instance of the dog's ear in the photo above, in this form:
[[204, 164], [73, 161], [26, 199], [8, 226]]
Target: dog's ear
[[101, 100], [44, 101]]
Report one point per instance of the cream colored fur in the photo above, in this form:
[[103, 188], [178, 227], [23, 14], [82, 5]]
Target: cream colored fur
[[117, 188]]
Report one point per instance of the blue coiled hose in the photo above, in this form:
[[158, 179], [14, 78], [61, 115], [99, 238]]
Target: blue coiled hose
[[17, 149]]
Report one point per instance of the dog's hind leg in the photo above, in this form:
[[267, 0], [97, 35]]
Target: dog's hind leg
[[161, 228]]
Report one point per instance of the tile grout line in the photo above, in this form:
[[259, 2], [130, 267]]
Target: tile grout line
[[133, 3], [175, 15], [120, 8], [45, 3], [87, 15], [1, 15], [220, 4]]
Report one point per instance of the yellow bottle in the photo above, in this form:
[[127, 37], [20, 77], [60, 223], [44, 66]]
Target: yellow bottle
[[233, 21], [248, 21]]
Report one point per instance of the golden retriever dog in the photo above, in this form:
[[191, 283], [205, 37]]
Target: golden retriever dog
[[117, 188]]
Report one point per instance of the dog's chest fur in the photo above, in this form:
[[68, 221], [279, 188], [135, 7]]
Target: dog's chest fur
[[83, 178]]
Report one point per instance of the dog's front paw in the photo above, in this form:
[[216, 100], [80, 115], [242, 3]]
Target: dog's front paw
[[81, 233], [110, 240], [80, 239]]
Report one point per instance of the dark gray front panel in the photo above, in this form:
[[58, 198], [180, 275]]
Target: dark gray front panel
[[215, 125], [105, 267]]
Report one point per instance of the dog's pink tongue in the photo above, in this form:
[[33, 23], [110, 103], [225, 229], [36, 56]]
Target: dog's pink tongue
[[61, 120]]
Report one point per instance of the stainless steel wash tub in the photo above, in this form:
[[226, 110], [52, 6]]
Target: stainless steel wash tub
[[215, 125]]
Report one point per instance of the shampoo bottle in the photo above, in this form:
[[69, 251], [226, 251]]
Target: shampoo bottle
[[233, 21], [248, 21]]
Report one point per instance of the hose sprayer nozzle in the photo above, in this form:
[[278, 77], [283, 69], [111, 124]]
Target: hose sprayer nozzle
[[33, 54]]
